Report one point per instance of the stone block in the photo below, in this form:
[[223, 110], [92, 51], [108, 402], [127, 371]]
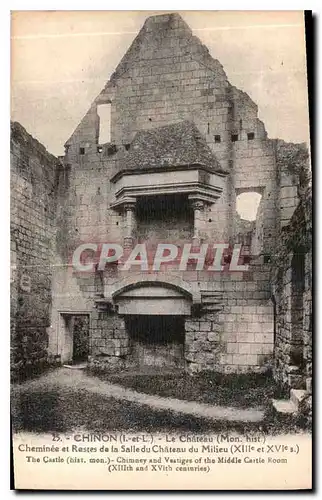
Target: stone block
[[232, 347], [256, 349], [213, 337], [121, 351], [246, 337], [267, 348], [201, 337], [194, 368], [205, 326], [211, 317], [244, 348], [263, 338], [240, 359], [267, 327], [106, 351], [226, 359], [229, 337], [107, 334], [192, 326], [190, 337], [190, 356], [216, 327], [120, 333]]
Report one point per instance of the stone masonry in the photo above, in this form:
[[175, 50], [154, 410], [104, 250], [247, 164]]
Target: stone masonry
[[33, 211], [179, 131], [292, 275]]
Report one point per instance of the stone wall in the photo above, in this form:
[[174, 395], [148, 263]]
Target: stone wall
[[168, 76], [109, 342], [33, 208], [293, 293]]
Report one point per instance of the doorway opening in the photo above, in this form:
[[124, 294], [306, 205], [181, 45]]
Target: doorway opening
[[156, 341], [75, 328]]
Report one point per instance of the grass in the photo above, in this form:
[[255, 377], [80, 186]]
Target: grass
[[243, 391], [65, 410], [54, 407]]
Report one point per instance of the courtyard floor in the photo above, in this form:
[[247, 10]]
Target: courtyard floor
[[67, 399], [242, 391]]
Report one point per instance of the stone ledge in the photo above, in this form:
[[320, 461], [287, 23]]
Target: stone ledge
[[284, 406]]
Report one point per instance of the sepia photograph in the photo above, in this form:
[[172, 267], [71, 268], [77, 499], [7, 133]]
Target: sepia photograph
[[160, 250]]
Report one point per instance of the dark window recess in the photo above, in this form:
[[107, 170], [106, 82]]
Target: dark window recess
[[111, 150], [217, 138], [99, 149], [267, 259], [127, 146], [251, 136], [247, 259], [81, 151], [234, 137]]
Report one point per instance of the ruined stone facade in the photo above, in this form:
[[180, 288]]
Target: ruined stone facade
[[183, 144]]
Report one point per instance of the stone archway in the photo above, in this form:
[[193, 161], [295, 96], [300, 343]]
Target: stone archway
[[153, 299], [139, 280]]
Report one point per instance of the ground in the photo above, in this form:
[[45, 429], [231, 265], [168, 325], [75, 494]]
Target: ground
[[68, 399], [242, 391]]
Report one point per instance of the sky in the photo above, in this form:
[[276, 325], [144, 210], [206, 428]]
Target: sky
[[61, 60]]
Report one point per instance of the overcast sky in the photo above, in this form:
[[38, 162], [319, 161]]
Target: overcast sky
[[62, 60]]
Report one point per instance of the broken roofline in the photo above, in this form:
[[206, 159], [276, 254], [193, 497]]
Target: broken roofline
[[92, 257]]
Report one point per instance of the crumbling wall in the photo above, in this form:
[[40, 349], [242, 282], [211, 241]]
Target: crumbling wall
[[168, 76], [292, 170], [33, 207], [295, 242]]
